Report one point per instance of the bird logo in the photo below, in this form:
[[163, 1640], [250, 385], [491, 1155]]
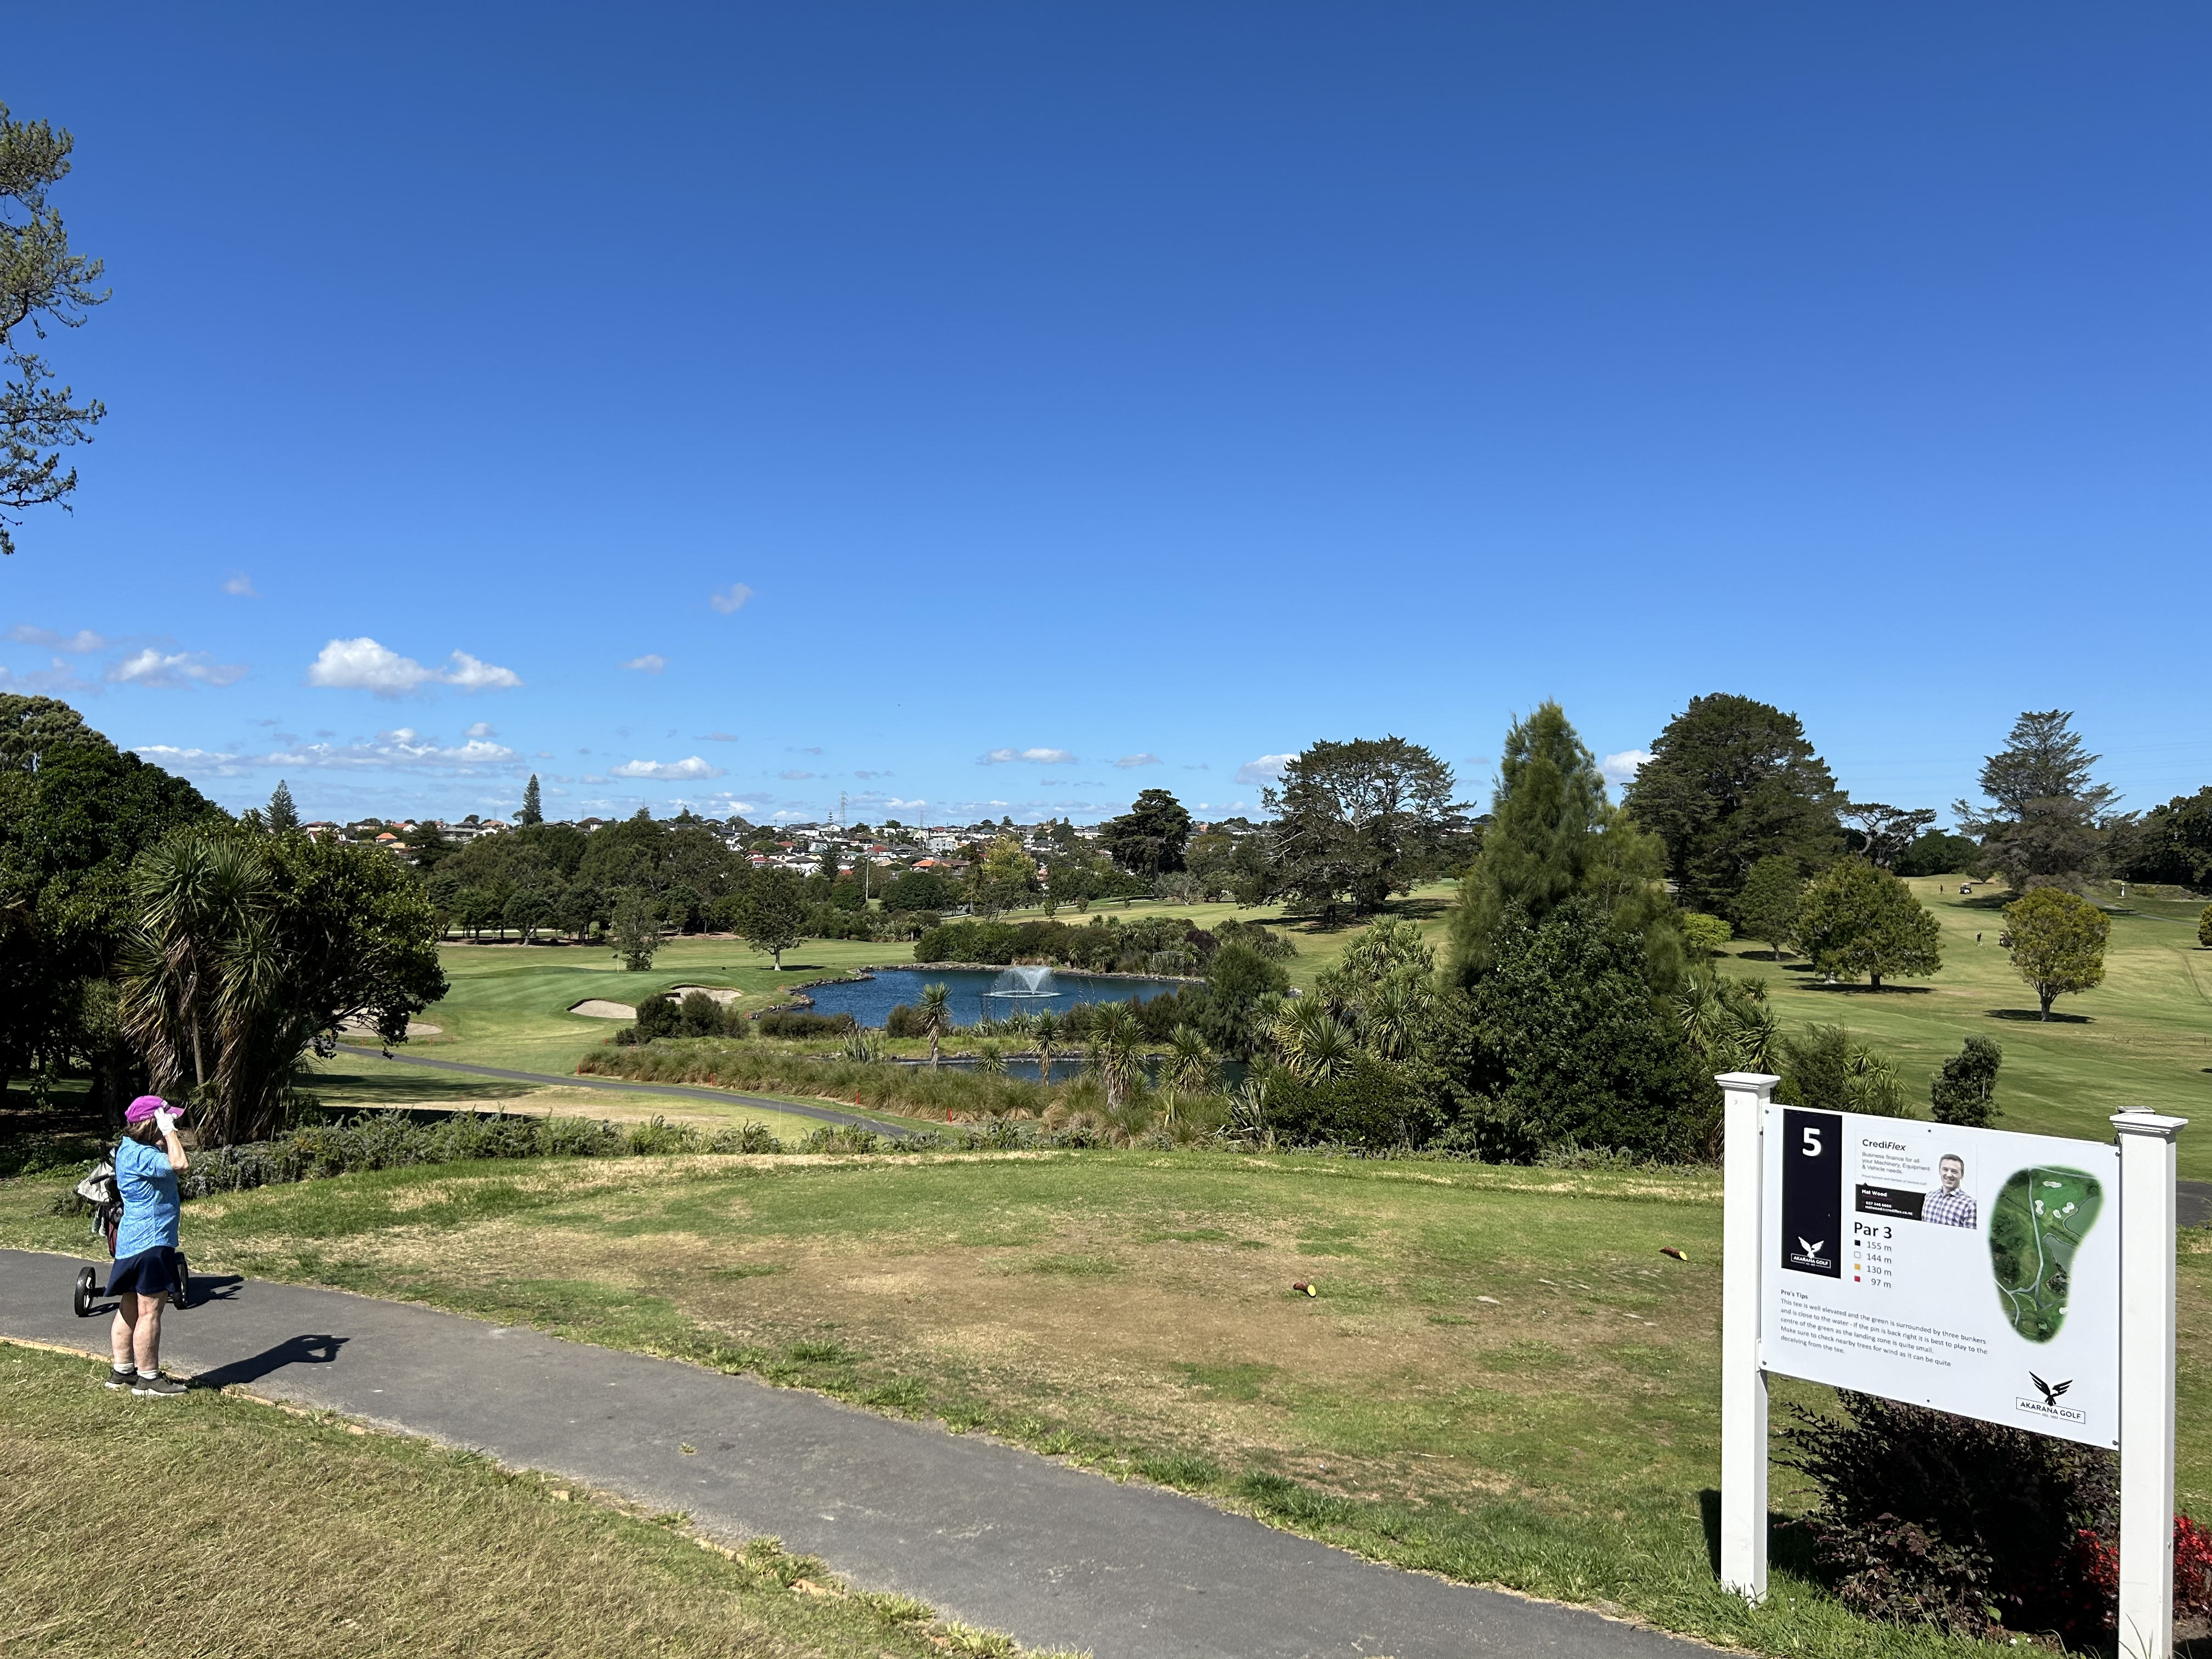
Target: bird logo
[[1812, 1249], [2050, 1391]]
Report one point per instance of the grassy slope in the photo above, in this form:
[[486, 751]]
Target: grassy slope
[[2143, 1038], [218, 1527], [1502, 1380]]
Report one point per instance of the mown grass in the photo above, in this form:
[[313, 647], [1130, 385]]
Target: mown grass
[[1502, 1380], [211, 1525], [2142, 1038]]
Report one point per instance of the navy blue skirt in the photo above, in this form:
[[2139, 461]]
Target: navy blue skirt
[[149, 1273]]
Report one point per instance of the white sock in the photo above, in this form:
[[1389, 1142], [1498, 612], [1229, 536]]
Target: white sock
[[149, 1376]]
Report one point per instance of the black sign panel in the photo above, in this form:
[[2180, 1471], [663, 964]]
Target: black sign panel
[[1813, 1193], [1903, 1202]]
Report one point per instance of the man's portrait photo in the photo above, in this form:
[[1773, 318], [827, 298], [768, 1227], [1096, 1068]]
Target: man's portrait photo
[[1950, 1208]]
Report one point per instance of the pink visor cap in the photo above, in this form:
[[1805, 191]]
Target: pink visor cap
[[144, 1107]]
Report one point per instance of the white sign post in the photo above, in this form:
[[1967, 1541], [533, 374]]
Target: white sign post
[[2022, 1280]]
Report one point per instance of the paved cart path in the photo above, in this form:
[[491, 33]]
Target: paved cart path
[[1054, 1556], [619, 1085]]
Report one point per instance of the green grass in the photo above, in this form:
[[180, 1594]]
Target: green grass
[[213, 1525], [1502, 1379], [2142, 1038]]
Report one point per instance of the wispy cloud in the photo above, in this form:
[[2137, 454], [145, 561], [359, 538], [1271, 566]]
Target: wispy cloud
[[795, 777], [1619, 768], [682, 771], [402, 749], [651, 663], [58, 678], [240, 585], [717, 737], [1265, 769], [362, 664], [866, 777], [81, 643], [1035, 756], [1129, 761], [731, 600], [173, 670]]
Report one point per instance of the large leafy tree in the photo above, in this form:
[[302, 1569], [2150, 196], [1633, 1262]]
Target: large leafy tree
[[2057, 941], [2048, 816], [1857, 920], [770, 912], [1359, 821], [1732, 780], [247, 948], [1150, 838], [75, 811], [42, 283], [2170, 843], [1553, 837]]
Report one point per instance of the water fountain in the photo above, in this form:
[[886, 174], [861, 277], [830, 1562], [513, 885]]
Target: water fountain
[[1024, 986]]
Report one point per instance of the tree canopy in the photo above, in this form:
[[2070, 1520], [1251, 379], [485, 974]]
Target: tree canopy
[[1150, 838], [1732, 780], [2048, 817], [1857, 920], [42, 283], [2171, 843], [1359, 821], [2057, 940]]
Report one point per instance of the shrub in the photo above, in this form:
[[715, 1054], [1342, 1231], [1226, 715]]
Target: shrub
[[1377, 1104], [1959, 1523], [780, 1022], [904, 1021], [699, 1015], [2204, 928], [1965, 1091], [1255, 937]]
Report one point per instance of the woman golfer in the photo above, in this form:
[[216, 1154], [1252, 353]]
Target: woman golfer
[[146, 1167]]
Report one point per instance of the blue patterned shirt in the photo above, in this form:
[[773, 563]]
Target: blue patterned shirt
[[1948, 1210]]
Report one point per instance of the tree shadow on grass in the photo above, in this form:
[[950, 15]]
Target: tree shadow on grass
[[1871, 990], [1788, 1540], [2036, 1017]]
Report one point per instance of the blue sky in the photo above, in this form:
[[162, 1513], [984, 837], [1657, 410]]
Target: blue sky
[[1004, 408]]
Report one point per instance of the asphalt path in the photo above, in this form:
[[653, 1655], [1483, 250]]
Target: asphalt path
[[1054, 1556], [619, 1085]]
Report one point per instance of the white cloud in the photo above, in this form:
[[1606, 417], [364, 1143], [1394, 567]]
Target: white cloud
[[81, 643], [169, 671], [240, 585], [1147, 759], [1265, 769], [482, 729], [1035, 756], [362, 664], [1620, 768], [59, 678], [716, 737], [681, 771], [471, 675], [795, 777], [402, 749], [730, 601], [650, 663]]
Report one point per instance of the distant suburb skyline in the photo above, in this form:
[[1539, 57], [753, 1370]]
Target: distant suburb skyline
[[1001, 410]]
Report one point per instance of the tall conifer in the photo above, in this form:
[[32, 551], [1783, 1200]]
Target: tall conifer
[[532, 812]]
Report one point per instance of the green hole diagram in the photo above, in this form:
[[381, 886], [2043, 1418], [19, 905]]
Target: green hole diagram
[[2037, 1223]]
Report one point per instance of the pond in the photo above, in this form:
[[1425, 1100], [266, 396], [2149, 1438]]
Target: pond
[[870, 1001]]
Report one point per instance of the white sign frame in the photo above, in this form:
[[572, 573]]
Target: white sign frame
[[2145, 1230]]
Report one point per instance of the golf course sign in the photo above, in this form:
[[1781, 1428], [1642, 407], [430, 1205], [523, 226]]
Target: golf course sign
[[1973, 1270]]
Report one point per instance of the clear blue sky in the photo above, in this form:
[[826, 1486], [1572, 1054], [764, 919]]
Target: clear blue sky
[[1138, 392]]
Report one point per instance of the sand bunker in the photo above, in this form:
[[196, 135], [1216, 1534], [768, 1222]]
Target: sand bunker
[[598, 1008], [415, 1028], [721, 994]]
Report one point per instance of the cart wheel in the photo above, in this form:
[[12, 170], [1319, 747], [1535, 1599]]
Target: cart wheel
[[88, 1287], [181, 1297]]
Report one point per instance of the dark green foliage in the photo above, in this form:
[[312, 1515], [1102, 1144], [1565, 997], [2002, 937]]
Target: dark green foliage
[[1148, 840], [2171, 843], [699, 1014], [2048, 820], [798, 1023], [1256, 937], [1956, 1523], [1561, 1044], [42, 285], [1163, 944], [656, 1017], [1816, 1069], [1940, 853], [1768, 905], [904, 1021], [1236, 981], [1732, 780], [1857, 920], [1359, 821], [533, 808], [920, 890], [770, 911], [281, 815], [1377, 1105], [1965, 1091]]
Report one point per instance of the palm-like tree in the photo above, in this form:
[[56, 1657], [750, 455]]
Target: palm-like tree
[[990, 1058], [1192, 1068], [1116, 1051], [1047, 1032], [936, 1016], [1313, 1046]]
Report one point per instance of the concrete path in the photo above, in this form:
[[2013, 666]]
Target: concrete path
[[1000, 1538], [620, 1085]]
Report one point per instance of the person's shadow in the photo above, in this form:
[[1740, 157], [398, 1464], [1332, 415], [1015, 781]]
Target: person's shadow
[[293, 1350]]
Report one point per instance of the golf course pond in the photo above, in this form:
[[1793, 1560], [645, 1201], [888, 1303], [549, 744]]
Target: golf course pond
[[980, 993]]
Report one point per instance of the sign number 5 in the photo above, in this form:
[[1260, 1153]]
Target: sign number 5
[[1812, 1141]]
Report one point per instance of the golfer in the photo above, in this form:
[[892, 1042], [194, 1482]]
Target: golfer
[[147, 1165], [1950, 1208]]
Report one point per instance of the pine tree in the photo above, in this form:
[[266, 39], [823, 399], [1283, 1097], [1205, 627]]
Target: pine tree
[[532, 811], [1536, 848], [283, 817]]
